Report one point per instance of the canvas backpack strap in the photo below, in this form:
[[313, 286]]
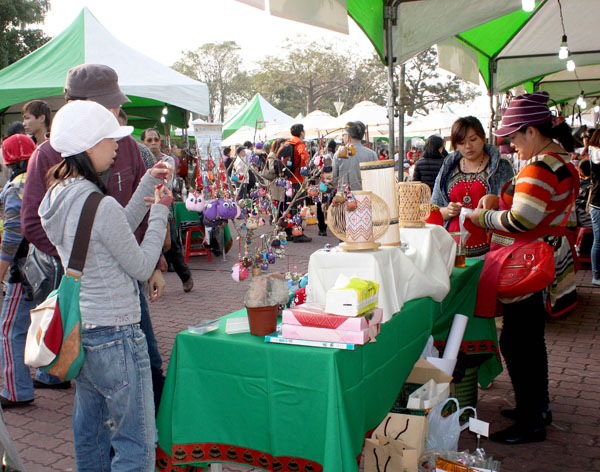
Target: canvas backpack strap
[[84, 231]]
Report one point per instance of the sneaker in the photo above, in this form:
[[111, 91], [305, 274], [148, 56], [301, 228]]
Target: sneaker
[[595, 281], [188, 285], [322, 233], [6, 403], [57, 386], [302, 239]]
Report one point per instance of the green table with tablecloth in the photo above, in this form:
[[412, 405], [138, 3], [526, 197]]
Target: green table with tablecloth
[[236, 398]]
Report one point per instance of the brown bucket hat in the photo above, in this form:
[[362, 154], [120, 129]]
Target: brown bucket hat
[[96, 82]]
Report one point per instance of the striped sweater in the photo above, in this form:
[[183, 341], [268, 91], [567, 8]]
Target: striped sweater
[[10, 203], [540, 189]]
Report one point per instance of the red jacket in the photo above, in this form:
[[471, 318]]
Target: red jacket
[[125, 175], [301, 157]]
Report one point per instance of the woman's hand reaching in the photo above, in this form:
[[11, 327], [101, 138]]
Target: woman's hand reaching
[[163, 196], [489, 202], [161, 170], [452, 210]]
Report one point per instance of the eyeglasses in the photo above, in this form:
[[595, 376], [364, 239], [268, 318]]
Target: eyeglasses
[[153, 140]]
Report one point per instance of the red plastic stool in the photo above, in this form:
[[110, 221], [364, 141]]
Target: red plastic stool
[[579, 241], [188, 242]]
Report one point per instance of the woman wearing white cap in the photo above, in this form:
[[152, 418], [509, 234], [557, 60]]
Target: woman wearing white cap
[[114, 405]]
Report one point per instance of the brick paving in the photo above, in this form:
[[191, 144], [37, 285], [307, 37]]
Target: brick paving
[[43, 435]]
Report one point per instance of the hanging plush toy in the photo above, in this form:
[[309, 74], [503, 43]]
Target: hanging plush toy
[[252, 223], [195, 201], [226, 209], [313, 191]]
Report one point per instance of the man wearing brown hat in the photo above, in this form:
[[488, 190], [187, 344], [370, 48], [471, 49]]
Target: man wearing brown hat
[[98, 83]]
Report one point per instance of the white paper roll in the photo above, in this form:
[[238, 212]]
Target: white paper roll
[[455, 337]]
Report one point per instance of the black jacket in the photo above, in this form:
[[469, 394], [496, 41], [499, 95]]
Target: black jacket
[[427, 168]]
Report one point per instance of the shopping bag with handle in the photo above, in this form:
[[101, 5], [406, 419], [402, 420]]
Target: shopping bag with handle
[[444, 432]]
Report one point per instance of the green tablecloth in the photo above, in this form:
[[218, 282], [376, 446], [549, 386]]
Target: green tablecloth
[[480, 336], [235, 398]]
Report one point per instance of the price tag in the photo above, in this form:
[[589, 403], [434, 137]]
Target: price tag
[[479, 427]]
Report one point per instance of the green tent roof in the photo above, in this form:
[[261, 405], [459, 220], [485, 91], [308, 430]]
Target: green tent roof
[[149, 84], [256, 113]]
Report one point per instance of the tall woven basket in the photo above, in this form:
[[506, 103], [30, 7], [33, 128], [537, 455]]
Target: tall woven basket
[[360, 227], [413, 204], [379, 177]]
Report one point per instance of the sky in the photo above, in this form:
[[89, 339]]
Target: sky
[[162, 29]]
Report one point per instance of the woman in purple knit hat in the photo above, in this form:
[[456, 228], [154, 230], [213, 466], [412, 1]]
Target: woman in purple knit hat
[[536, 205]]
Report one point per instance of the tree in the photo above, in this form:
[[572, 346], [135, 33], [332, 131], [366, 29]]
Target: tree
[[427, 89], [307, 73], [16, 40], [215, 64]]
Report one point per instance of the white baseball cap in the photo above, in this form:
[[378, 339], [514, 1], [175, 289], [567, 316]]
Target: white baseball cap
[[81, 124]]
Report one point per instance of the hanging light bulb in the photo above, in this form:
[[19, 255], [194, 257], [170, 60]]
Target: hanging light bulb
[[528, 5], [596, 107], [164, 110], [570, 65], [162, 119], [563, 52], [581, 100]]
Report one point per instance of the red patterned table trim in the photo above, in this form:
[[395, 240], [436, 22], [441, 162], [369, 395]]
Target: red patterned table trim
[[473, 347], [214, 452]]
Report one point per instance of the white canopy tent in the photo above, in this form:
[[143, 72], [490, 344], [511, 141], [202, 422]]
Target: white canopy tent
[[245, 133]]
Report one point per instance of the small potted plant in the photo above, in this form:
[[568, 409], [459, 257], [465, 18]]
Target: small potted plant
[[262, 300]]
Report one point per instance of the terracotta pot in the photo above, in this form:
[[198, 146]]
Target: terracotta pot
[[263, 320]]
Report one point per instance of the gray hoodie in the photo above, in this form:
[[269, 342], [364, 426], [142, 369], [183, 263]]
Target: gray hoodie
[[115, 261]]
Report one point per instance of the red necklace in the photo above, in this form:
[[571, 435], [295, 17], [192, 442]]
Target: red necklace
[[469, 182]]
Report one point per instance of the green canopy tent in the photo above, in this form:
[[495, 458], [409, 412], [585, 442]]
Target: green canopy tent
[[150, 85], [406, 26], [256, 113]]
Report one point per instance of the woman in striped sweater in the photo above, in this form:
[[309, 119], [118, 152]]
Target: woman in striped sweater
[[535, 205]]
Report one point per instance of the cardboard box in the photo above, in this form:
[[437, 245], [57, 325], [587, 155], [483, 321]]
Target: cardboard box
[[313, 314], [330, 335], [424, 371]]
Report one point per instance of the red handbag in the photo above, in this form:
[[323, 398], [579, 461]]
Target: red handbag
[[528, 269]]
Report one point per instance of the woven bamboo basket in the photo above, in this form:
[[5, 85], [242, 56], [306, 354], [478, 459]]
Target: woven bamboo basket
[[359, 228], [414, 204], [379, 177]]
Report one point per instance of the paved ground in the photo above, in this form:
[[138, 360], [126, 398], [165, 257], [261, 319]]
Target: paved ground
[[43, 434]]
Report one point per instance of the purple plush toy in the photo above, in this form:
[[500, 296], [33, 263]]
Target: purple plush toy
[[211, 209], [227, 209]]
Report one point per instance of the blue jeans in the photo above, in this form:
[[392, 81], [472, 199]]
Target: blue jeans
[[15, 322], [595, 253], [113, 402], [158, 379]]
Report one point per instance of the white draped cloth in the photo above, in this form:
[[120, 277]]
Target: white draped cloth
[[422, 270]]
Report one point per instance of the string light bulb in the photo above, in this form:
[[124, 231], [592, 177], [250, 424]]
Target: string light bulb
[[528, 5], [563, 52], [164, 110], [570, 65], [162, 119], [581, 100], [596, 107]]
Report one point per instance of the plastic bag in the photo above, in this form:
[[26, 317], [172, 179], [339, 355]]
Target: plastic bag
[[445, 431]]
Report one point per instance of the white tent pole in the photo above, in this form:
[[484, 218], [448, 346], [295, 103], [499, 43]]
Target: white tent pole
[[492, 69], [403, 101]]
